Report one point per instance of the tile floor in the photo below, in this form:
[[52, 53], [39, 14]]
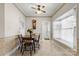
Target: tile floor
[[48, 48]]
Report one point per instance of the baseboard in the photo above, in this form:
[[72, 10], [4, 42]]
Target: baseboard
[[11, 52], [46, 38], [67, 48]]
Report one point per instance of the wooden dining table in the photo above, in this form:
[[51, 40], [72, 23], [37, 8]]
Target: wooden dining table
[[29, 39]]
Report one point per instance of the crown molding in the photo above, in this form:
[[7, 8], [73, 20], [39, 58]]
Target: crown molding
[[18, 9], [58, 9]]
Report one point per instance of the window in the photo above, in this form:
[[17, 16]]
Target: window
[[64, 28]]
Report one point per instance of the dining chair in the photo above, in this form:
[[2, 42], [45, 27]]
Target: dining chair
[[25, 45], [21, 43], [37, 42]]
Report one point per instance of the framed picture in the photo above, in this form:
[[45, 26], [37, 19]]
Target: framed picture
[[34, 24]]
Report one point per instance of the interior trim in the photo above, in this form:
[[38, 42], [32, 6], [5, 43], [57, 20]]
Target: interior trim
[[8, 36], [68, 49], [58, 9], [12, 51]]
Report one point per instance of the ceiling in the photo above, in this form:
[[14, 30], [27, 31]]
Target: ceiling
[[26, 9]]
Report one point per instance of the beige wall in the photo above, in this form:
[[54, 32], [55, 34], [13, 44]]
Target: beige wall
[[12, 25], [77, 29], [13, 19], [1, 29], [1, 20]]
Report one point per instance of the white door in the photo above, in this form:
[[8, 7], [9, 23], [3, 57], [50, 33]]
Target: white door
[[45, 29]]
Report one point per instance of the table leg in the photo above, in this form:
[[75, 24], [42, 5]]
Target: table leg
[[34, 47]]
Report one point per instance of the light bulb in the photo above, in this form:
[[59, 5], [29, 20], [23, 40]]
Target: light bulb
[[39, 12]]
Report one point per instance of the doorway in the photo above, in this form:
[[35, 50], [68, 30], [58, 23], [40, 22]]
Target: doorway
[[46, 30]]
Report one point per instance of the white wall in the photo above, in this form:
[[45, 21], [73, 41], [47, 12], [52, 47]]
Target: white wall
[[1, 20], [14, 20], [60, 12], [39, 22]]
